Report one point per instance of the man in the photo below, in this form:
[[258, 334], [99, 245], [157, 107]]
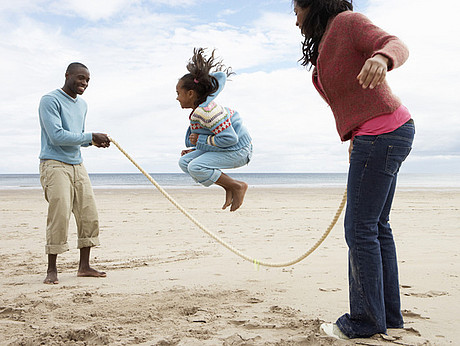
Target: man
[[63, 177]]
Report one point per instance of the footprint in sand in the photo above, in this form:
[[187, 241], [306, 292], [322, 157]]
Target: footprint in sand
[[329, 289], [408, 313], [405, 336], [429, 294], [11, 312], [237, 339]]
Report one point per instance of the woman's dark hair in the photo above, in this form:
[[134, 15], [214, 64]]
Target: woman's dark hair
[[199, 78], [315, 22]]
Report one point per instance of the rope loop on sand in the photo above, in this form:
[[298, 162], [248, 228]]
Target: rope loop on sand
[[256, 262]]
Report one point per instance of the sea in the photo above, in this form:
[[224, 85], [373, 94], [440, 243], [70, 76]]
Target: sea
[[268, 180]]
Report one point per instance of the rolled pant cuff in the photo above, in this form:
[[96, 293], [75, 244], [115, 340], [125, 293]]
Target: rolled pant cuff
[[344, 327], [56, 249], [88, 242], [212, 180]]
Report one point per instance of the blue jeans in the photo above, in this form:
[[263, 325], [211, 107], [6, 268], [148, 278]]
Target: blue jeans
[[372, 265], [205, 166]]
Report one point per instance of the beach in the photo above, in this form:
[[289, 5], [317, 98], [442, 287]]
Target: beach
[[169, 283]]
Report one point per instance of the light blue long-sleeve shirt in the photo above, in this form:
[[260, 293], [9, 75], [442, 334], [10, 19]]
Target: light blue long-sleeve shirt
[[62, 122], [234, 137]]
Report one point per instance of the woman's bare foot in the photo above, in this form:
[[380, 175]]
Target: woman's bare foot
[[51, 278], [238, 195], [90, 272]]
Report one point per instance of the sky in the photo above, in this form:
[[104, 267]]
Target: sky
[[136, 50]]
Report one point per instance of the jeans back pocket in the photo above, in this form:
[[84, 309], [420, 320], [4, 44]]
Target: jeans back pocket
[[395, 157]]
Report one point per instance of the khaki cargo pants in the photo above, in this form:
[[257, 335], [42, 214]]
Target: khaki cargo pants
[[68, 190]]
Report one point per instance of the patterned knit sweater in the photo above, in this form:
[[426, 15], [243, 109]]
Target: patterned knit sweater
[[219, 128], [349, 40]]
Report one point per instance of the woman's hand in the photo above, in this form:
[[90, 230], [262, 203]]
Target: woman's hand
[[350, 149], [193, 138], [373, 72]]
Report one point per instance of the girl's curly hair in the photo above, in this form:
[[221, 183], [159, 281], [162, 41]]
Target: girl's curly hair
[[199, 78]]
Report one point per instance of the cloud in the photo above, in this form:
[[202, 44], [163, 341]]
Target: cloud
[[21, 6], [89, 9], [137, 50], [427, 82]]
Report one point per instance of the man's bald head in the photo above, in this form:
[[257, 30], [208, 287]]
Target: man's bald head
[[74, 66]]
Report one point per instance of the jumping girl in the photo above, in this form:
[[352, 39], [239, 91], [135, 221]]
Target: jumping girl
[[216, 138]]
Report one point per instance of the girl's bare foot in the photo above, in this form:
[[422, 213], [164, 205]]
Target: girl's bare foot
[[228, 199], [234, 191], [238, 195]]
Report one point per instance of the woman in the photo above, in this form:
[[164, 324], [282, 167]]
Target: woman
[[350, 57]]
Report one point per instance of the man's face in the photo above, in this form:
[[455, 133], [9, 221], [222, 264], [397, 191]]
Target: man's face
[[76, 81]]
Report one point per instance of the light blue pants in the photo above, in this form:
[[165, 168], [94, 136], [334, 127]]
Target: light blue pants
[[205, 166]]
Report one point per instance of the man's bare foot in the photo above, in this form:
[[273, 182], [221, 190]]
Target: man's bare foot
[[91, 273], [238, 195], [228, 199], [51, 278]]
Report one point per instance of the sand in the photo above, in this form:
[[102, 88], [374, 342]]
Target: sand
[[169, 283]]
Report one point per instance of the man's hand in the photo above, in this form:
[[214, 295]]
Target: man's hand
[[373, 72], [101, 140], [193, 138]]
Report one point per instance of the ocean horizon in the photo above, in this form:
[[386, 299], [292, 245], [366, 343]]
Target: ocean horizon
[[285, 180]]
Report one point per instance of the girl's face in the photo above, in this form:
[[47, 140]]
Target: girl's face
[[301, 14], [185, 97]]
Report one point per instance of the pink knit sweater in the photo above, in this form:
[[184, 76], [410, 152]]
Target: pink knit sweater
[[349, 40]]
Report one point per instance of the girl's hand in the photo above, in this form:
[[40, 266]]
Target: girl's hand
[[186, 151], [373, 72], [193, 138]]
